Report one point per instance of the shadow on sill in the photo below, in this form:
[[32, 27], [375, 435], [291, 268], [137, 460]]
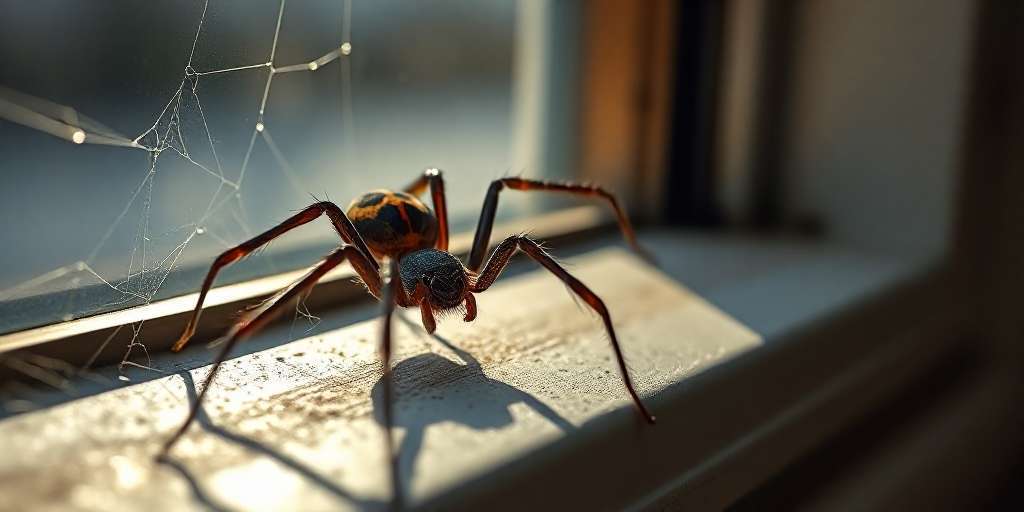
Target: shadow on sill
[[427, 371], [801, 484], [257, 447]]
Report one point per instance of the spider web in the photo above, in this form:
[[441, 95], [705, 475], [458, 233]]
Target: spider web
[[166, 137]]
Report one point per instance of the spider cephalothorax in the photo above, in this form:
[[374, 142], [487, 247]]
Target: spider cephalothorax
[[442, 276], [398, 227]]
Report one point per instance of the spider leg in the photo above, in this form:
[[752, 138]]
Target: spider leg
[[417, 300], [427, 317], [434, 179], [338, 218], [490, 208], [500, 258], [274, 306], [470, 308], [391, 291]]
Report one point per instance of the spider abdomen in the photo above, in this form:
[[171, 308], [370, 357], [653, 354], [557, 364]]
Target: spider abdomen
[[393, 223]]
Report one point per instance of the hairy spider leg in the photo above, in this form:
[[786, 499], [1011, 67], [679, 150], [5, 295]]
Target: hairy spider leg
[[341, 224], [500, 258], [490, 208], [391, 296], [395, 295], [274, 306], [434, 179]]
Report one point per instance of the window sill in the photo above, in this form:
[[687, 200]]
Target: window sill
[[538, 422]]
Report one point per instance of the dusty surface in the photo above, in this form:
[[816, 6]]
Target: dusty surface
[[294, 426]]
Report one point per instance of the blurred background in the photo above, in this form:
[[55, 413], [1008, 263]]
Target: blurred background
[[893, 128]]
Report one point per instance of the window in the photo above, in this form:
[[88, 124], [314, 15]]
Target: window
[[365, 95], [817, 146]]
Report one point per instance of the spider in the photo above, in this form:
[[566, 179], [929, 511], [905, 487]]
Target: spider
[[396, 226]]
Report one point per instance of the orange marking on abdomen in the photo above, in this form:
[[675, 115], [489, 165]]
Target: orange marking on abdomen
[[392, 234], [404, 214]]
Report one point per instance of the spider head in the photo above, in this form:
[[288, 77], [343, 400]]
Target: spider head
[[440, 273]]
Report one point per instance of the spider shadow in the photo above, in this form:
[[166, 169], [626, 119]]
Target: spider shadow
[[445, 391], [203, 420]]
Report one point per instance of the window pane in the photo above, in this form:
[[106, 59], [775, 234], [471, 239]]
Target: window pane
[[128, 165]]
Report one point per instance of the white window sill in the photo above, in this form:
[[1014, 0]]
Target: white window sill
[[531, 413]]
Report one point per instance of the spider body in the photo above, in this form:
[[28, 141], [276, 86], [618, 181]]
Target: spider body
[[393, 223], [398, 225], [397, 228]]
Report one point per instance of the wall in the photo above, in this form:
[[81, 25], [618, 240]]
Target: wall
[[875, 105]]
